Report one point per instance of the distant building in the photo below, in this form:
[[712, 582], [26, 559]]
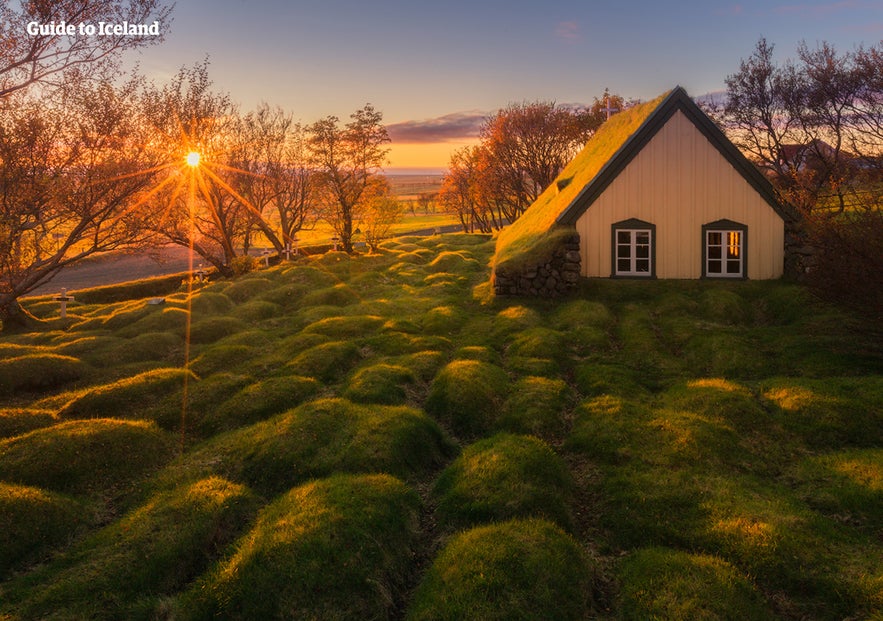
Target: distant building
[[658, 192]]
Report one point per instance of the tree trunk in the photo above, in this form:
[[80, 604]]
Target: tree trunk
[[14, 318]]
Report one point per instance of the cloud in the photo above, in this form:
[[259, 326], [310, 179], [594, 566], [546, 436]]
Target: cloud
[[448, 128], [734, 10], [569, 31]]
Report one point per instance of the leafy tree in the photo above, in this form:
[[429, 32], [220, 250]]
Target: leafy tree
[[56, 61], [347, 160]]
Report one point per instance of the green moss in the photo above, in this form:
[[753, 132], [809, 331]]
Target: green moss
[[503, 477], [468, 394], [596, 379], [667, 584], [221, 357], [257, 310], [453, 262], [513, 570], [442, 320], [338, 548], [208, 303]]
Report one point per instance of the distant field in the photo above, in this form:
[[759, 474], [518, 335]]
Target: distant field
[[409, 187]]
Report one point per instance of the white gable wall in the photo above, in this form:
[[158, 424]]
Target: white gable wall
[[679, 181]]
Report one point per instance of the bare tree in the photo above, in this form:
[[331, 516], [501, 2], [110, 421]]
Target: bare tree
[[54, 60], [809, 123], [200, 205], [273, 175], [72, 178], [382, 211], [347, 160], [523, 148]]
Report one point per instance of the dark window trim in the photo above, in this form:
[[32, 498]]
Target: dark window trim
[[725, 225], [633, 224]]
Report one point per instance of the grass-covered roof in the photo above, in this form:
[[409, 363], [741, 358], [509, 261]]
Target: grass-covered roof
[[534, 233]]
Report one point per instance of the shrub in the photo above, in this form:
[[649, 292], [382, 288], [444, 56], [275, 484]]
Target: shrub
[[538, 406], [244, 264], [123, 570], [327, 362], [317, 439], [667, 584], [848, 259], [468, 394], [380, 383], [522, 569], [37, 372], [85, 457], [35, 521], [504, 477], [337, 548]]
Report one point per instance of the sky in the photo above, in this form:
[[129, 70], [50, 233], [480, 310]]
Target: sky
[[435, 69]]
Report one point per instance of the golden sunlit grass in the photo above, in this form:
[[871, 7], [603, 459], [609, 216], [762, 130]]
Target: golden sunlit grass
[[772, 482]]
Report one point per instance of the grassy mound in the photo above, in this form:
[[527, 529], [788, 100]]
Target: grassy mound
[[380, 383], [132, 397], [538, 406], [504, 477], [468, 394], [317, 439], [261, 400], [327, 362], [85, 457], [668, 584], [212, 329], [124, 570], [513, 570], [15, 422], [37, 372], [35, 521], [337, 548]]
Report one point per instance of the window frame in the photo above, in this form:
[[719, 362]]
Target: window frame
[[632, 225], [725, 227]]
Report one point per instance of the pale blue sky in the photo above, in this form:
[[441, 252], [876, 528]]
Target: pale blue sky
[[418, 61]]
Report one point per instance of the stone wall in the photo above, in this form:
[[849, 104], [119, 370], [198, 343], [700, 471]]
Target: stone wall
[[552, 276], [800, 255]]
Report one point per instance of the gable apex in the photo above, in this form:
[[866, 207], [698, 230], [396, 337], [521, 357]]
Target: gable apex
[[676, 100]]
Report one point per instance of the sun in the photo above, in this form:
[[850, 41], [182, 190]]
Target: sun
[[193, 158]]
